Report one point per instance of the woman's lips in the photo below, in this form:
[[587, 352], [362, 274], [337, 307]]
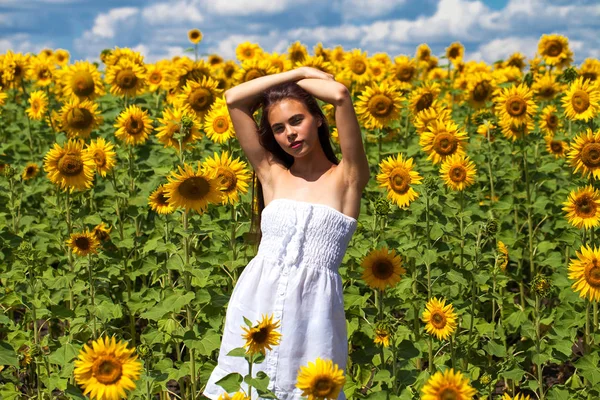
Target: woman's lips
[[295, 145]]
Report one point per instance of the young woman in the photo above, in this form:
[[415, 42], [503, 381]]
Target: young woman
[[311, 204]]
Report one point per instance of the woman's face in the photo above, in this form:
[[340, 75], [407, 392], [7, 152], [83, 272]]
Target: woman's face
[[291, 122]]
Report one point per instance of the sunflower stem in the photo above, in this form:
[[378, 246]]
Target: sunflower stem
[[489, 165], [452, 357], [529, 216], [379, 300], [131, 170], [406, 137], [462, 232], [190, 314], [587, 343], [430, 346], [93, 311], [28, 124], [250, 374], [538, 346]]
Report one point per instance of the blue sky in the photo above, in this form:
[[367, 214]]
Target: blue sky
[[490, 30]]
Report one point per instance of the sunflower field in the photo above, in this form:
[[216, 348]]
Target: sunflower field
[[126, 208]]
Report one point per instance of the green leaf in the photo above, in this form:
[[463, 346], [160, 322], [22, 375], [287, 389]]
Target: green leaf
[[260, 382], [496, 348], [515, 374], [8, 356], [231, 382], [64, 354], [237, 352], [589, 367]]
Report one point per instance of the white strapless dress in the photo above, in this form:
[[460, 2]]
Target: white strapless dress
[[295, 277]]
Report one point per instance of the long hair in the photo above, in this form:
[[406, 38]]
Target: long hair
[[271, 96]]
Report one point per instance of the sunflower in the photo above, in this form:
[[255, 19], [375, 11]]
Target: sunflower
[[554, 49], [423, 52], [546, 87], [397, 176], [38, 105], [102, 232], [583, 207], [316, 62], [379, 105], [559, 148], [119, 55], [424, 119], [83, 80], [159, 202], [187, 70], [194, 36], [320, 380], [14, 67], [193, 190], [41, 71], [356, 66], [297, 52], [378, 70], [458, 172], [126, 78], [61, 57], [134, 125], [442, 140], [585, 153], [30, 171], [280, 62], [199, 96], [106, 369], [254, 69], [519, 396], [404, 69], [160, 76], [215, 59], [423, 97], [447, 385], [590, 69], [514, 104], [173, 121], [217, 123], [514, 132], [83, 243], [382, 336], [103, 155], [585, 270], [549, 121], [439, 318], [480, 89], [382, 268], [502, 255], [236, 396], [248, 51], [259, 338], [233, 174], [79, 117], [516, 60], [455, 52], [3, 96], [486, 129], [70, 166], [582, 100]]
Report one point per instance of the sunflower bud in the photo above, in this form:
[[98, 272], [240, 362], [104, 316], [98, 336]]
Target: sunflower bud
[[483, 116], [36, 350], [568, 75], [144, 351], [485, 379], [541, 285], [528, 79], [26, 253], [431, 184], [382, 206], [9, 172], [491, 228]]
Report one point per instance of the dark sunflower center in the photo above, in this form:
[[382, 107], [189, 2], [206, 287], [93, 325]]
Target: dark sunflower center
[[554, 48], [200, 99], [18, 71], [248, 53], [82, 243], [44, 74], [221, 124], [100, 158], [547, 92], [438, 320], [556, 146], [82, 84], [592, 76], [449, 394], [458, 173], [30, 171], [162, 199], [380, 105], [126, 79], [323, 387], [155, 78], [134, 126], [383, 269], [260, 336], [552, 121], [228, 71], [445, 144], [454, 53], [358, 66], [253, 74], [107, 370], [425, 54], [585, 206], [481, 91], [592, 274], [580, 101], [228, 180], [194, 188], [424, 101], [516, 106], [400, 180], [70, 165], [405, 73], [590, 155], [80, 118], [195, 35], [297, 56]]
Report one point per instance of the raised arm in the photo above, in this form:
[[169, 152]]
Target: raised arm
[[355, 165]]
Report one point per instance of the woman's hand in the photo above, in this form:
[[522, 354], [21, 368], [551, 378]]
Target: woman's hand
[[313, 73]]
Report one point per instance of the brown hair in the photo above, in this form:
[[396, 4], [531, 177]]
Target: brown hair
[[271, 96]]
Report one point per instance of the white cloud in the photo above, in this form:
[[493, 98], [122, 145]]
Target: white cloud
[[247, 7], [105, 25], [21, 43], [169, 13], [350, 9], [501, 49]]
